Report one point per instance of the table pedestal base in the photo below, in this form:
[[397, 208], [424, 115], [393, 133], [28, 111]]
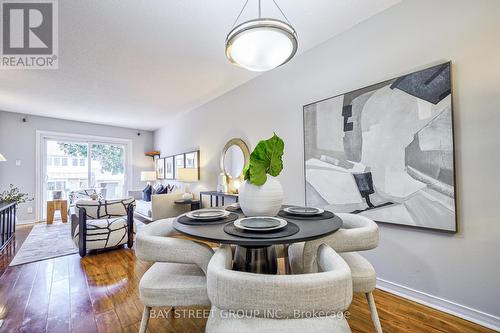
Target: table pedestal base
[[255, 259]]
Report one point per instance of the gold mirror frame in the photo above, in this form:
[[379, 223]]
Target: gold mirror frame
[[246, 155]]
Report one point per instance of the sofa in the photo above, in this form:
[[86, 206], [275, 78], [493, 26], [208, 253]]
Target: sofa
[[160, 207]]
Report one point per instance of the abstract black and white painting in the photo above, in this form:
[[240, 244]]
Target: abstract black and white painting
[[385, 151]]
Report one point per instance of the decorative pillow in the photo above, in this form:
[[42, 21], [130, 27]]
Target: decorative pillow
[[157, 189], [146, 193], [164, 190], [170, 188]]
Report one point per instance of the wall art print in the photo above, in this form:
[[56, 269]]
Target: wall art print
[[385, 151]]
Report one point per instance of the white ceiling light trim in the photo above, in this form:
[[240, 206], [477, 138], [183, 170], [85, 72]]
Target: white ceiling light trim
[[261, 44]]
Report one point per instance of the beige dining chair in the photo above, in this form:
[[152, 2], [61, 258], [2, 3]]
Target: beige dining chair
[[358, 233], [248, 302], [178, 275]]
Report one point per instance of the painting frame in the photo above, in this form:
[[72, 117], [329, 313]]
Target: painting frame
[[169, 168], [160, 168], [192, 162], [450, 228], [179, 162]]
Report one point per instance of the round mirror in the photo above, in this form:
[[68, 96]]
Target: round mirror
[[234, 161], [235, 156]]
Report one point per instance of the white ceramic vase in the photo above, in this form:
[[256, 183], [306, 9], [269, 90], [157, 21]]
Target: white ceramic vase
[[264, 200]]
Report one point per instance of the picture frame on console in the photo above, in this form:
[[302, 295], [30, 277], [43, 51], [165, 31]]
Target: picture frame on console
[[386, 151]]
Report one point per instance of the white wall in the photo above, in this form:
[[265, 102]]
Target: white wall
[[462, 268], [18, 142]]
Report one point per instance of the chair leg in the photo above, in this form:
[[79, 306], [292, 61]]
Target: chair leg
[[145, 319], [373, 312]]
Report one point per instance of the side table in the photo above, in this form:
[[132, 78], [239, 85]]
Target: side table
[[61, 206], [195, 204]]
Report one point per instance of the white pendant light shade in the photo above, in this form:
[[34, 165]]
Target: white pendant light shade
[[262, 44]]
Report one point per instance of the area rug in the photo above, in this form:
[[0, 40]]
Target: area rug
[[47, 241]]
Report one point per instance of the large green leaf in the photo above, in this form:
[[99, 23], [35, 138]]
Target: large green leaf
[[265, 159]]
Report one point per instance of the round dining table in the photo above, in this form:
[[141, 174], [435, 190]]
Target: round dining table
[[259, 255]]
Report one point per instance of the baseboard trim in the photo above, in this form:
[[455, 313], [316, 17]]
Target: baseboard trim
[[20, 222], [461, 311]]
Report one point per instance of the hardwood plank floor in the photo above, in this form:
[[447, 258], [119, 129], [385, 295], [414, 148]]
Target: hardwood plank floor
[[100, 294]]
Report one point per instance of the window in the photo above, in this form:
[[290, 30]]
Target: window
[[57, 161], [82, 162], [57, 185], [74, 162], [49, 161], [64, 161]]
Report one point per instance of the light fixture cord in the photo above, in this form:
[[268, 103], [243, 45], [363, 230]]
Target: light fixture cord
[[260, 12], [282, 13], [241, 12]]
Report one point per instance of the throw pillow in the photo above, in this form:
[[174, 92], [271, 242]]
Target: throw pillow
[[157, 188], [146, 193], [164, 190]]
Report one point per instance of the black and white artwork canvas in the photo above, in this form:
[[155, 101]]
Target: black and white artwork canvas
[[385, 151]]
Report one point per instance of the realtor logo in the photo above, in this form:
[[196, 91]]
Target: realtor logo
[[29, 34]]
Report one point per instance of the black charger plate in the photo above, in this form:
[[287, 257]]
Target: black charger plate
[[186, 220], [323, 216]]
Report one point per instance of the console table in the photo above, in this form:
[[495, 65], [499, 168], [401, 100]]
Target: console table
[[7, 223], [216, 194]]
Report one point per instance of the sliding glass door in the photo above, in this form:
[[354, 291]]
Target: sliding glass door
[[107, 169], [74, 165]]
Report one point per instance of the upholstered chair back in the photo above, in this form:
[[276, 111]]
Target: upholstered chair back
[[155, 243], [104, 209], [358, 233], [329, 291]]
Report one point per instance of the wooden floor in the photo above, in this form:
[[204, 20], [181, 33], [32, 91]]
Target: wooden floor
[[99, 294]]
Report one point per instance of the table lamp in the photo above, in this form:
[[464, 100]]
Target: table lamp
[[2, 159], [187, 175], [148, 176]]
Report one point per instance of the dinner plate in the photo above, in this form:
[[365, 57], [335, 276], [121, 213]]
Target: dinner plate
[[208, 214], [260, 223], [304, 211]]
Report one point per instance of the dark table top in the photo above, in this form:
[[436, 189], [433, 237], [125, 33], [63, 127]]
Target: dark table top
[[219, 193], [309, 230]]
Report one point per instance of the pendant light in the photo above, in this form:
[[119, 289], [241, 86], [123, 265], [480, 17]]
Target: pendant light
[[261, 44]]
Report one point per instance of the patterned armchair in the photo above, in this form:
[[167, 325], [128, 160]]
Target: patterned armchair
[[98, 225]]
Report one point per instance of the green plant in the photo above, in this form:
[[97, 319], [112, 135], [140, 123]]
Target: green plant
[[265, 159], [14, 195]]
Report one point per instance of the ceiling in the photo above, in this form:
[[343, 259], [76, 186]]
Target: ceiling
[[136, 64]]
